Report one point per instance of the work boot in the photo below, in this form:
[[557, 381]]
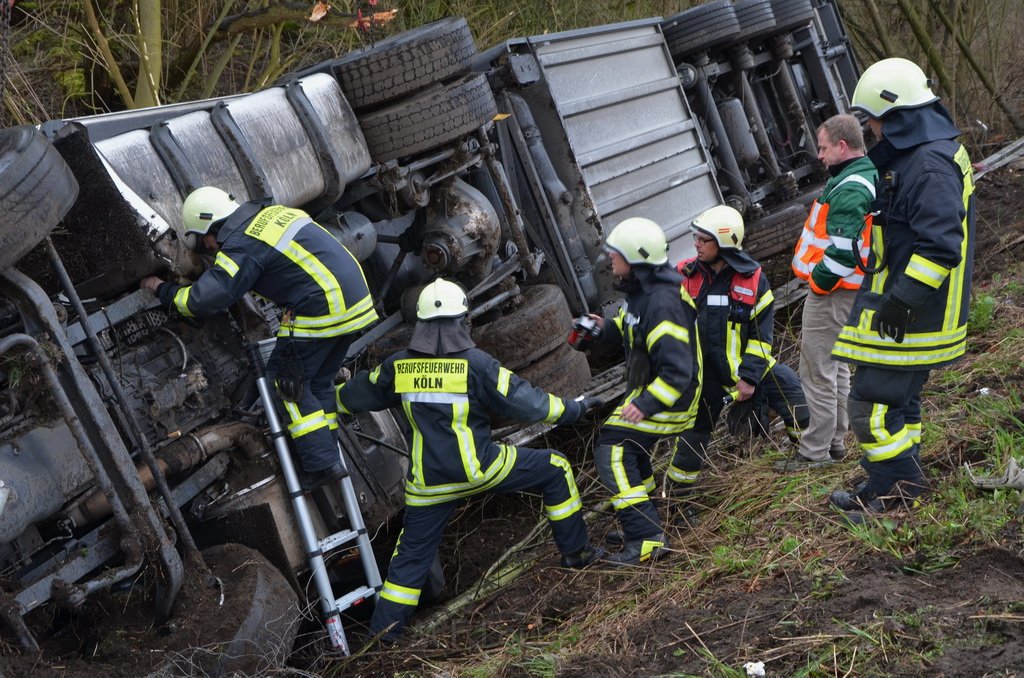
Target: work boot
[[311, 481], [636, 551], [837, 452], [863, 501], [584, 557], [799, 462]]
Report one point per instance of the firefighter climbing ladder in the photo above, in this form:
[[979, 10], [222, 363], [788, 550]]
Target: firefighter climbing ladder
[[330, 606]]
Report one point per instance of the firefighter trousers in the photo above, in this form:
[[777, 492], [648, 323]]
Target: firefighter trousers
[[885, 415], [312, 419], [424, 527], [623, 461]]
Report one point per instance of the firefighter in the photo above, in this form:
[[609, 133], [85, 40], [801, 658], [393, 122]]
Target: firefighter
[[448, 390], [655, 327], [734, 317], [833, 244], [910, 315], [280, 253]]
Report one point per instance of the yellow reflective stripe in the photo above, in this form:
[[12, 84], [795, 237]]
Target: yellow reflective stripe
[[647, 548], [759, 349], [467, 446], [664, 392], [667, 328], [556, 407], [403, 595], [733, 345], [181, 301], [573, 504], [364, 305], [630, 497], [504, 380], [886, 445], [915, 431], [926, 271], [227, 263], [332, 420], [418, 494], [618, 468], [864, 345], [763, 303], [301, 425], [416, 449], [678, 475], [649, 484]]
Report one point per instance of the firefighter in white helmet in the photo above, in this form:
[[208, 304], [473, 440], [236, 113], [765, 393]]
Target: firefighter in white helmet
[[448, 390], [910, 315], [655, 327], [735, 318], [280, 253]]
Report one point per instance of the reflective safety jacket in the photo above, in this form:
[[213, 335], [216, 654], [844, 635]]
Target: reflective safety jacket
[[734, 317], [655, 326], [283, 255], [448, 401], [839, 220], [923, 241]]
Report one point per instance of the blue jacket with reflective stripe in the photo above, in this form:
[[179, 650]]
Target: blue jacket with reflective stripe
[[448, 401], [281, 254], [924, 237]]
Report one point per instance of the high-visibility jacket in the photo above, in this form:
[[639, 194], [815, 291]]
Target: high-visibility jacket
[[837, 231], [448, 401], [923, 241], [655, 326], [734, 317], [280, 253]]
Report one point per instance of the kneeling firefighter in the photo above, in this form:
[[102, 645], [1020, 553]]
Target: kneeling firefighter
[[448, 389]]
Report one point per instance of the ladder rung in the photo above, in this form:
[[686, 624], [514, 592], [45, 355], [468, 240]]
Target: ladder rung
[[333, 541], [354, 597]]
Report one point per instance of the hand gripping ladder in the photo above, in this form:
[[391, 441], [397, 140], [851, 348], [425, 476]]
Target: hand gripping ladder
[[330, 606]]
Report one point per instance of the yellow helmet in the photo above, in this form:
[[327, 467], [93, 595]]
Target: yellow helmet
[[639, 241], [723, 223], [204, 207], [890, 84], [441, 299]]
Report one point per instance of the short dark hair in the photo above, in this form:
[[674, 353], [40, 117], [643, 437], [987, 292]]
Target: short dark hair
[[844, 127]]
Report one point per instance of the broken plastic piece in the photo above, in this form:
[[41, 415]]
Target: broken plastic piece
[[1012, 478]]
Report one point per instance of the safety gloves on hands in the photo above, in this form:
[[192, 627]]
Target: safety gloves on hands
[[893, 316]]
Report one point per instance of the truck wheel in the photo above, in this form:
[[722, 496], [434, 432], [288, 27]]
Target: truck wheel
[[564, 372], [792, 14], [429, 120], [756, 19], [698, 28], [37, 189], [405, 63], [535, 328], [253, 630]]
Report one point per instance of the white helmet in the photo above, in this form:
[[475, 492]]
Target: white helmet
[[441, 299], [204, 207], [890, 84], [724, 224], [639, 241]]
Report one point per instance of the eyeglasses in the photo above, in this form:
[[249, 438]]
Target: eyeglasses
[[702, 239]]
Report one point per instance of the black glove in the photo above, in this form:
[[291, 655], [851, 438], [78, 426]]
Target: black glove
[[592, 403], [747, 418], [892, 317], [290, 379]]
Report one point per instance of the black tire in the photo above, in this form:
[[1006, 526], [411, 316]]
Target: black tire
[[405, 63], [756, 19], [700, 28], [37, 189], [792, 14], [564, 372], [429, 120], [535, 328]]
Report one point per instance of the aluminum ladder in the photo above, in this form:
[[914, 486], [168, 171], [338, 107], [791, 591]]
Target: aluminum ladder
[[331, 606]]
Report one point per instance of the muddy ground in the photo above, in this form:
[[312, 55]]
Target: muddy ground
[[776, 619]]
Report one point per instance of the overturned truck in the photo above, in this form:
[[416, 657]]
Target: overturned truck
[[132, 439]]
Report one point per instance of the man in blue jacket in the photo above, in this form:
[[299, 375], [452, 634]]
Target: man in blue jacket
[[280, 253], [910, 315]]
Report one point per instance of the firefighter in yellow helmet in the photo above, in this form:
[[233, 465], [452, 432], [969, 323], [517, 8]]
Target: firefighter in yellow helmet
[[280, 253], [910, 315], [655, 327], [448, 390]]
